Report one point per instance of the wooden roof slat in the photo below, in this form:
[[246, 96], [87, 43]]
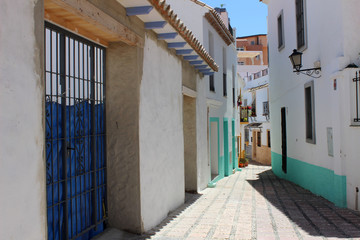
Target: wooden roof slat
[[97, 24]]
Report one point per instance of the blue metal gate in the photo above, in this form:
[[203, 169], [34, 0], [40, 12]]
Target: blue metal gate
[[75, 135]]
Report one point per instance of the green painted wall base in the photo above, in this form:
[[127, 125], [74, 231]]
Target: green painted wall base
[[319, 180]]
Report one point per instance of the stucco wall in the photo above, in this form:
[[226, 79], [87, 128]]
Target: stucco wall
[[124, 73], [22, 158], [161, 133]]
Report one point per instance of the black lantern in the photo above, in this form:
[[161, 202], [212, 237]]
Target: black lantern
[[296, 61]]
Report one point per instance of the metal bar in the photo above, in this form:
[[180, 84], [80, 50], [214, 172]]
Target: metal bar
[[74, 134], [104, 128], [84, 138], [92, 132], [88, 137], [78, 47], [77, 195], [51, 128], [63, 121], [69, 130], [357, 96], [96, 122]]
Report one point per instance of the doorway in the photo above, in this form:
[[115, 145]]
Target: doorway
[[214, 148], [283, 140]]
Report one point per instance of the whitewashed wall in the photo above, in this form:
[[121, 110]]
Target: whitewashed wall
[[161, 134], [193, 16], [333, 40], [22, 158], [203, 159]]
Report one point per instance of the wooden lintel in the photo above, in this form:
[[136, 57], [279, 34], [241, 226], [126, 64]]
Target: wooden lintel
[[76, 29], [101, 20]]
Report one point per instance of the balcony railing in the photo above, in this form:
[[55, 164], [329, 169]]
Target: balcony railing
[[258, 75]]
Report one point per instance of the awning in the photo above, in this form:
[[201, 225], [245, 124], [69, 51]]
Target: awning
[[247, 54], [254, 125]]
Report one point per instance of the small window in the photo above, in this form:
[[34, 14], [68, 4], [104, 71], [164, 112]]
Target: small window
[[309, 112], [240, 49], [268, 138], [224, 85], [224, 73], [241, 63], [258, 139], [212, 84], [280, 25], [266, 108], [247, 135], [252, 42], [300, 23]]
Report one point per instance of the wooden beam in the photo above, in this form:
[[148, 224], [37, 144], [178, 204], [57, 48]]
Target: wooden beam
[[100, 20], [62, 22]]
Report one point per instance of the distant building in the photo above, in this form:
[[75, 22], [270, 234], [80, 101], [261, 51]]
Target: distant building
[[252, 68], [315, 116]]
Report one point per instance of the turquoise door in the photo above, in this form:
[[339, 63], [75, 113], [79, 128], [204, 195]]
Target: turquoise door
[[227, 165]]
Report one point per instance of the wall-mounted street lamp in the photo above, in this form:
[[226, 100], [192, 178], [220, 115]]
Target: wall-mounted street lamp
[[296, 61]]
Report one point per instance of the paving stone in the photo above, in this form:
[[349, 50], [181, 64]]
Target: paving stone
[[255, 204]]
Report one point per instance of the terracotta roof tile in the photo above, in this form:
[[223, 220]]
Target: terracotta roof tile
[[216, 21], [169, 15]]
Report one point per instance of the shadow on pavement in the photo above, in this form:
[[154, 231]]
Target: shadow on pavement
[[306, 211], [115, 234]]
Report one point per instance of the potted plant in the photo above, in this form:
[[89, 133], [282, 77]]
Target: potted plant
[[239, 101], [242, 162], [246, 162]]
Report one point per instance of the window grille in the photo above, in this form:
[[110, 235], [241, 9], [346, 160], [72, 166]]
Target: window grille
[[224, 85], [266, 108], [356, 80], [300, 23], [309, 112]]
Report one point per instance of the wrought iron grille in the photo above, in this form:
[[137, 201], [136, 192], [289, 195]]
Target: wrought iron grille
[[266, 108], [224, 85], [356, 80], [75, 135]]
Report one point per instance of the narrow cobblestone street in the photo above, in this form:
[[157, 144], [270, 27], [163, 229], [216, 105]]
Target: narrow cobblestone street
[[255, 204]]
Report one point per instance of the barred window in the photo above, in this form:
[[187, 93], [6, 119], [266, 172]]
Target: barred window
[[300, 23]]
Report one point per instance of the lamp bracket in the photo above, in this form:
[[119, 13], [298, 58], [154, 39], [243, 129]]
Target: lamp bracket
[[309, 72]]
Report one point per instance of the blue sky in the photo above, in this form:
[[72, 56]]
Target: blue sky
[[247, 16]]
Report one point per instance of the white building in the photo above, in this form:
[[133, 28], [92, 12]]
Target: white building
[[315, 128], [220, 90], [252, 67], [255, 118], [72, 158]]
